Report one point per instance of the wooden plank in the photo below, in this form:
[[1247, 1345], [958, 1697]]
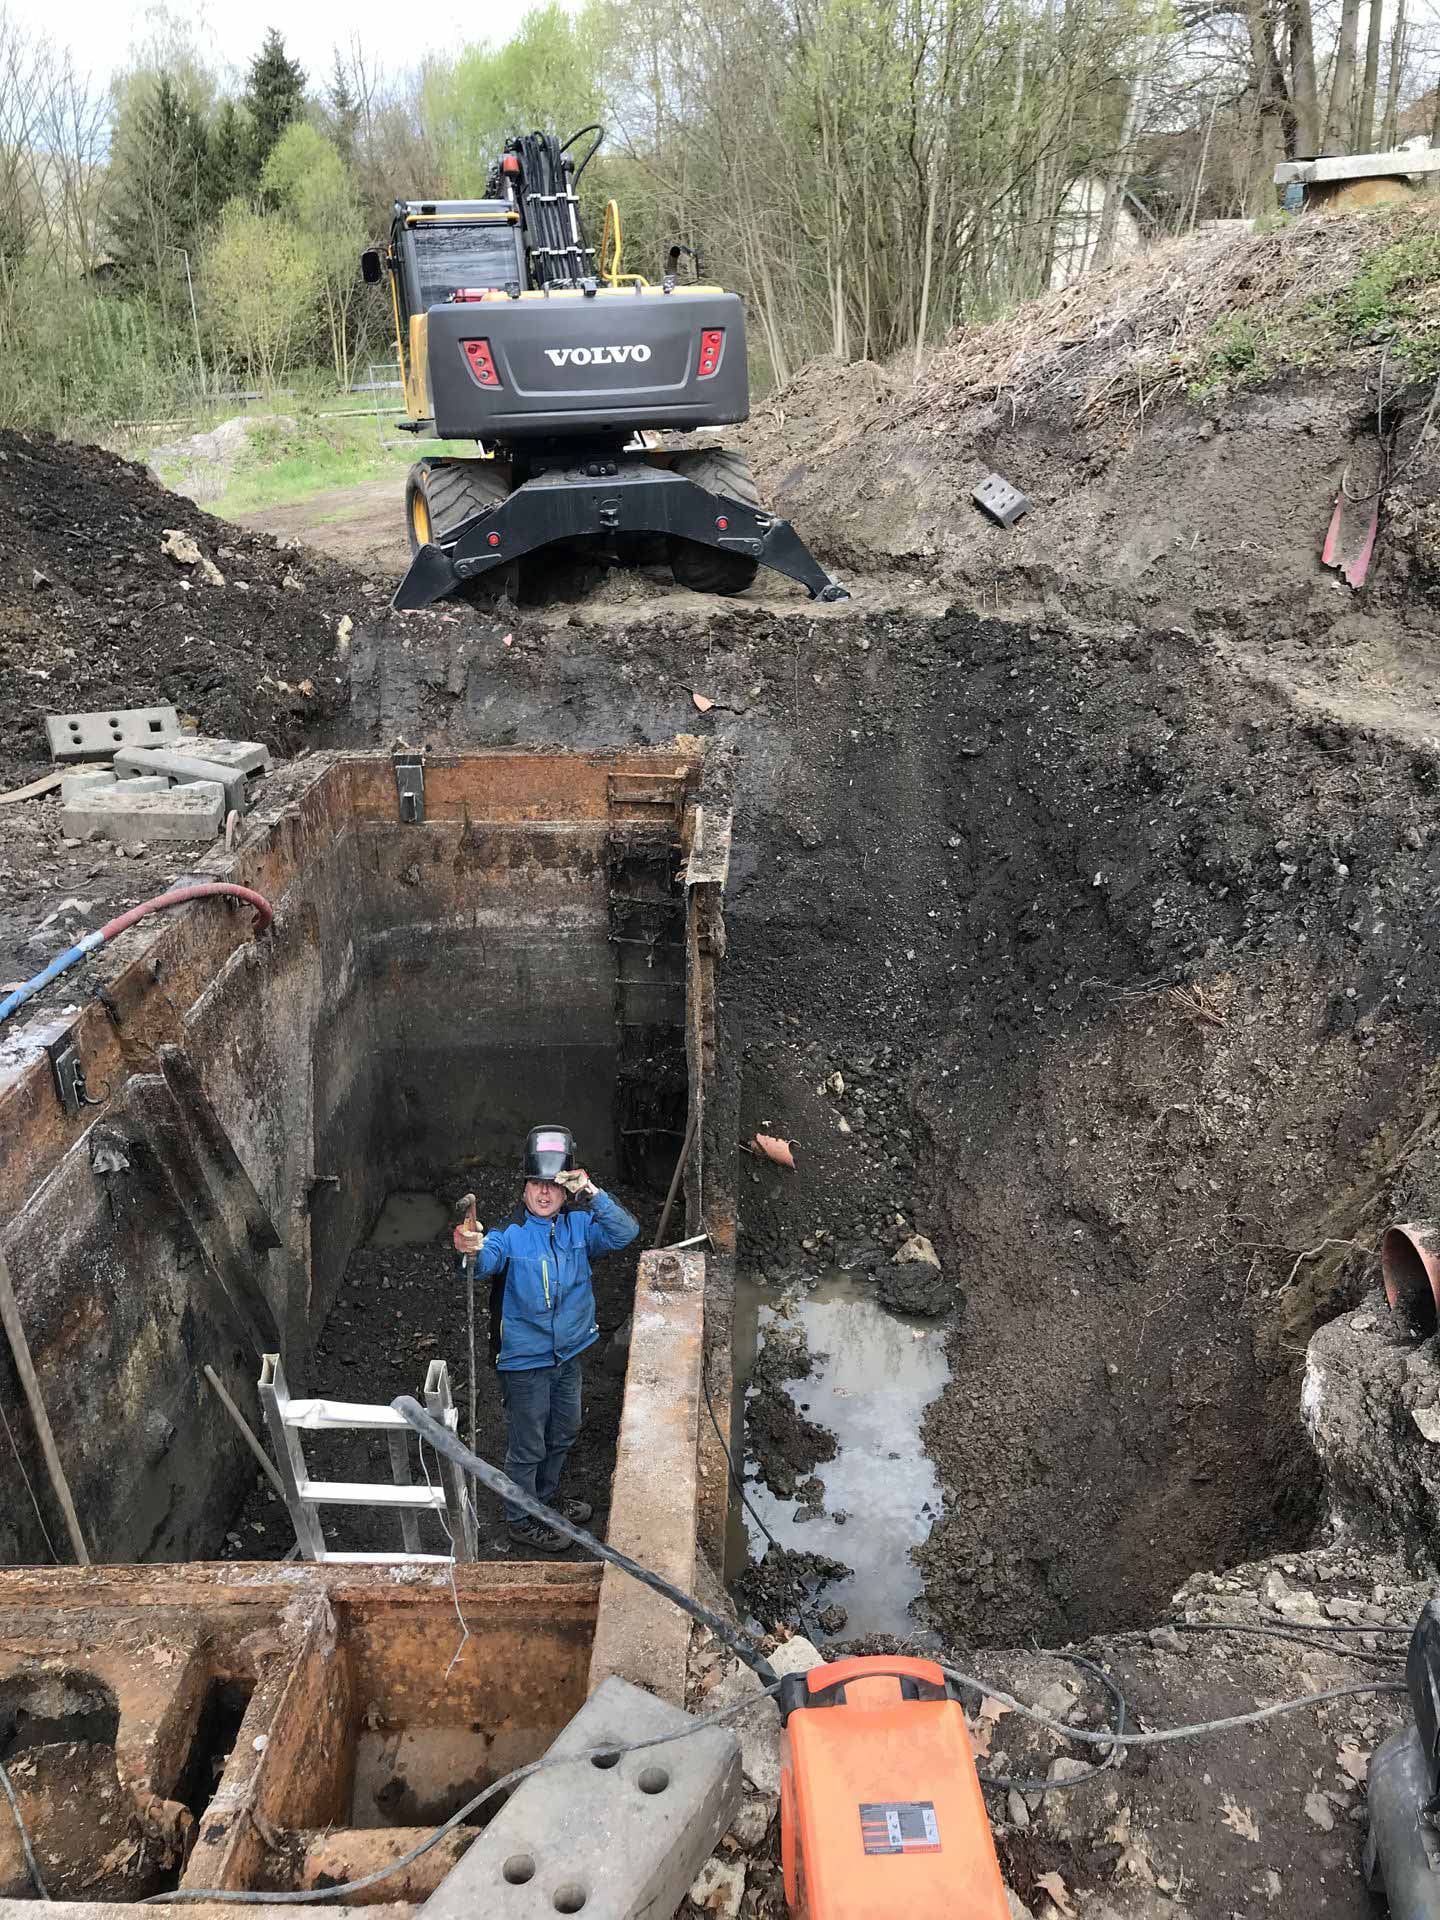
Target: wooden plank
[[25, 1367]]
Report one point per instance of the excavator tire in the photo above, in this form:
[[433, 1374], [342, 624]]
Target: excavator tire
[[439, 494], [708, 569]]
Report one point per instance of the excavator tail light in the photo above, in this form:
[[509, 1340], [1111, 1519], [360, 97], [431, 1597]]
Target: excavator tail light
[[712, 345], [482, 364]]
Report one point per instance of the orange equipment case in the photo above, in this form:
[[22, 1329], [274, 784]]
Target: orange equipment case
[[881, 1811]]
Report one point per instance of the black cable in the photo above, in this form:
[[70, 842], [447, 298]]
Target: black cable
[[311, 1895], [739, 1485], [1301, 1635], [1100, 1766], [1162, 1736], [32, 1866], [1264, 1626], [449, 1444]]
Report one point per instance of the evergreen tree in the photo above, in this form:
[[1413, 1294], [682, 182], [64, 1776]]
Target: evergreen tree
[[344, 112], [159, 165], [228, 170], [275, 96]]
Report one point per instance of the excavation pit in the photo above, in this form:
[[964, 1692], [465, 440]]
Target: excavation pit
[[281, 1126]]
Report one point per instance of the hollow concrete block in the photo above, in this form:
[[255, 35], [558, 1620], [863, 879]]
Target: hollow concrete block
[[193, 812], [95, 736], [615, 1843]]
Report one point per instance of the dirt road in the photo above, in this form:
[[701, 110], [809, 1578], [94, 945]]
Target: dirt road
[[361, 526]]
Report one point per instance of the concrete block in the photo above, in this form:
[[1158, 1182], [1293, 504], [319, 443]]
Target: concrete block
[[1401, 162], [183, 768], [655, 1492], [193, 812], [147, 783], [241, 756], [95, 736], [615, 1843], [76, 785]]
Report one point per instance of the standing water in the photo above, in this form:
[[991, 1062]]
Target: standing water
[[874, 1375]]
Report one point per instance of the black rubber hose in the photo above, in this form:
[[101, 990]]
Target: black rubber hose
[[445, 1442]]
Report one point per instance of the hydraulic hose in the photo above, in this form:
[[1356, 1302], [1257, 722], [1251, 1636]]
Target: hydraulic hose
[[445, 1442], [177, 897]]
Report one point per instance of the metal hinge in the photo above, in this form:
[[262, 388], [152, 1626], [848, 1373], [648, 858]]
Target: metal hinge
[[410, 785]]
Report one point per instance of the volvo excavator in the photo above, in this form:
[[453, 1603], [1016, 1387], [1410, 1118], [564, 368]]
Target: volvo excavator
[[566, 372]]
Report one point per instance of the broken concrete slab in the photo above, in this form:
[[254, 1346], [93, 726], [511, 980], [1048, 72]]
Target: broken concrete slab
[[95, 736], [74, 786], [617, 1841], [759, 1729], [193, 812], [183, 768]]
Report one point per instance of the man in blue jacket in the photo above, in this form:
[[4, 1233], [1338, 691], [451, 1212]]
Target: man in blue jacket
[[542, 1318]]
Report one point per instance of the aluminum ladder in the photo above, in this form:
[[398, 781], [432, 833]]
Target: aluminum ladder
[[288, 1419]]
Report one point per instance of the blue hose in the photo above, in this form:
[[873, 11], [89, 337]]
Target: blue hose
[[62, 963]]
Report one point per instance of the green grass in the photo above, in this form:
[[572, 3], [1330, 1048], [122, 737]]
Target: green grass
[[308, 447], [1391, 303]]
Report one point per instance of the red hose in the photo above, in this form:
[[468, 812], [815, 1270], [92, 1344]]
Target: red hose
[[264, 912]]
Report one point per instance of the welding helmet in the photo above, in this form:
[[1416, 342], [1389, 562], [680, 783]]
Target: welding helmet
[[548, 1151]]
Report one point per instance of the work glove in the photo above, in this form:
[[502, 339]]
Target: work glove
[[469, 1239], [577, 1183]]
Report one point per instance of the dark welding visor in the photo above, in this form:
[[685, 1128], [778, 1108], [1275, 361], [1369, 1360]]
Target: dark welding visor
[[548, 1151]]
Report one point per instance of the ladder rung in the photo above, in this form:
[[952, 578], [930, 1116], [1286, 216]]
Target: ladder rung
[[387, 1559], [368, 1493], [323, 1415]]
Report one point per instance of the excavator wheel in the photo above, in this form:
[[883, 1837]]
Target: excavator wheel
[[709, 569], [439, 494]]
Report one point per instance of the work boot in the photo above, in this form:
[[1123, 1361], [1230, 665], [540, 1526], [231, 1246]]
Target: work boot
[[535, 1537], [578, 1512]]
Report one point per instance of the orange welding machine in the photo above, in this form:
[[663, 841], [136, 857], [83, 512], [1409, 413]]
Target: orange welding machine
[[880, 1806]]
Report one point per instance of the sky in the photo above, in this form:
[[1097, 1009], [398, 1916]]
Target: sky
[[101, 34]]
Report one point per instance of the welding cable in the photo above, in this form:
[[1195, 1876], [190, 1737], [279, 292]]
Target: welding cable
[[739, 1485], [1162, 1736], [177, 897], [31, 1864], [452, 1447], [1303, 1636], [1281, 1631], [1105, 1765], [606, 1755]]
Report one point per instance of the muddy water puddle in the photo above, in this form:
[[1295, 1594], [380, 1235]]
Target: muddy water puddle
[[874, 1375]]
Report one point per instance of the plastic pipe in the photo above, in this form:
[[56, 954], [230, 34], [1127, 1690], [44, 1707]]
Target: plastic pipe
[[177, 897]]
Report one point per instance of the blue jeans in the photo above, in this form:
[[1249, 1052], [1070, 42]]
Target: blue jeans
[[543, 1405]]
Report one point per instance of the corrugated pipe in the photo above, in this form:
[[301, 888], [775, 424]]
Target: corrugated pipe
[[177, 897]]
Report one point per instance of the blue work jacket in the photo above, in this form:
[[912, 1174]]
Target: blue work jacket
[[542, 1304]]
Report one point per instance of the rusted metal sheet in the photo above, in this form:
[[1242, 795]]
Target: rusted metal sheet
[[517, 785]]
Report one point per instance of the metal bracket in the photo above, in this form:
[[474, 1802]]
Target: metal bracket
[[69, 1076], [410, 785]]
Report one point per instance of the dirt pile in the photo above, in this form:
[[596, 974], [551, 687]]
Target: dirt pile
[[94, 612], [1181, 427]]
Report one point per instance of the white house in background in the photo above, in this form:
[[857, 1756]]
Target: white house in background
[[1078, 230]]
